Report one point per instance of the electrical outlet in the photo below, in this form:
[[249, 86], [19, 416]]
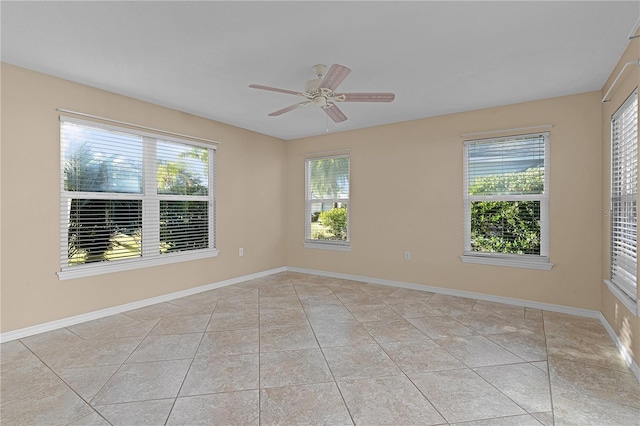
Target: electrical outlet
[[241, 252], [407, 255]]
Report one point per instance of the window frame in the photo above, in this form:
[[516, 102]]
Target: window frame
[[526, 261], [150, 200], [326, 244], [624, 290]]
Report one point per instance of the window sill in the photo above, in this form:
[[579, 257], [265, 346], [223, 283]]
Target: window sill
[[104, 268], [632, 305], [327, 246], [513, 262]]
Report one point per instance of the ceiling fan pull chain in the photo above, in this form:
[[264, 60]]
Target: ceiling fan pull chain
[[326, 117]]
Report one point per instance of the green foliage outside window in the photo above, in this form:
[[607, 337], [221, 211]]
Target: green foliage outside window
[[330, 177], [506, 226], [336, 221], [101, 230]]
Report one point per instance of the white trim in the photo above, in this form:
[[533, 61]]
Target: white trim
[[615, 80], [150, 206], [540, 264], [328, 154], [633, 32], [624, 352], [451, 292], [623, 260], [309, 242], [327, 246], [130, 125], [517, 129], [100, 268], [150, 254], [89, 316], [632, 305], [517, 197]]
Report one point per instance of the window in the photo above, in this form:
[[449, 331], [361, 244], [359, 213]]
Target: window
[[624, 196], [506, 201], [132, 199], [327, 202]]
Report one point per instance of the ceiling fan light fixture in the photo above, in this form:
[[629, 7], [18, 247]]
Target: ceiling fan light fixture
[[321, 101]]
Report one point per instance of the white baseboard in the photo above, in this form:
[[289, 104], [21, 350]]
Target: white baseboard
[[623, 350], [508, 300], [460, 293], [66, 322]]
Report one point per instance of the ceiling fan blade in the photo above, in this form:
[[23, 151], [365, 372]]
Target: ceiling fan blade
[[335, 114], [365, 97], [336, 74], [289, 108], [275, 89]]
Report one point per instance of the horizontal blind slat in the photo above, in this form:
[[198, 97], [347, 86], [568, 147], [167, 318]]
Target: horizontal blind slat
[[105, 200], [624, 190], [505, 181]]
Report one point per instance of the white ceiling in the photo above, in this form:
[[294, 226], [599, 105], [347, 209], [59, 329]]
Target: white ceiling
[[437, 57]]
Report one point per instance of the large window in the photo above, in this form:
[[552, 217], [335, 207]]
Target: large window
[[132, 199], [624, 196], [506, 201], [327, 202]]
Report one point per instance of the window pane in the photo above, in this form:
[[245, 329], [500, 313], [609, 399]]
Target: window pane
[[504, 167], [505, 227], [330, 223], [624, 195], [327, 198], [98, 160], [184, 225], [624, 240], [103, 230], [328, 178], [182, 169]]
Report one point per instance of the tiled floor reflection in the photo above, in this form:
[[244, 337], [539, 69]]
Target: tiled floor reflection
[[302, 349]]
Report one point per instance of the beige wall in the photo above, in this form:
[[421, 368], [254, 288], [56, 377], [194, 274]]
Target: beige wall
[[624, 323], [406, 186], [251, 177], [406, 195]]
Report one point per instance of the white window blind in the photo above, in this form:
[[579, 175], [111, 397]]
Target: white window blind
[[183, 192], [327, 200], [624, 196], [132, 198], [506, 197]]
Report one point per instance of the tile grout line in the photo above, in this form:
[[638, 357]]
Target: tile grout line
[[106, 381], [119, 367], [57, 384], [580, 362], [546, 349], [396, 364], [190, 364], [400, 368], [461, 361], [324, 356]]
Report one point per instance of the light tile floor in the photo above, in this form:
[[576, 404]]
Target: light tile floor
[[301, 349]]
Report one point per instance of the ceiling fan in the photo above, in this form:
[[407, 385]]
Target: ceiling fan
[[321, 91]]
